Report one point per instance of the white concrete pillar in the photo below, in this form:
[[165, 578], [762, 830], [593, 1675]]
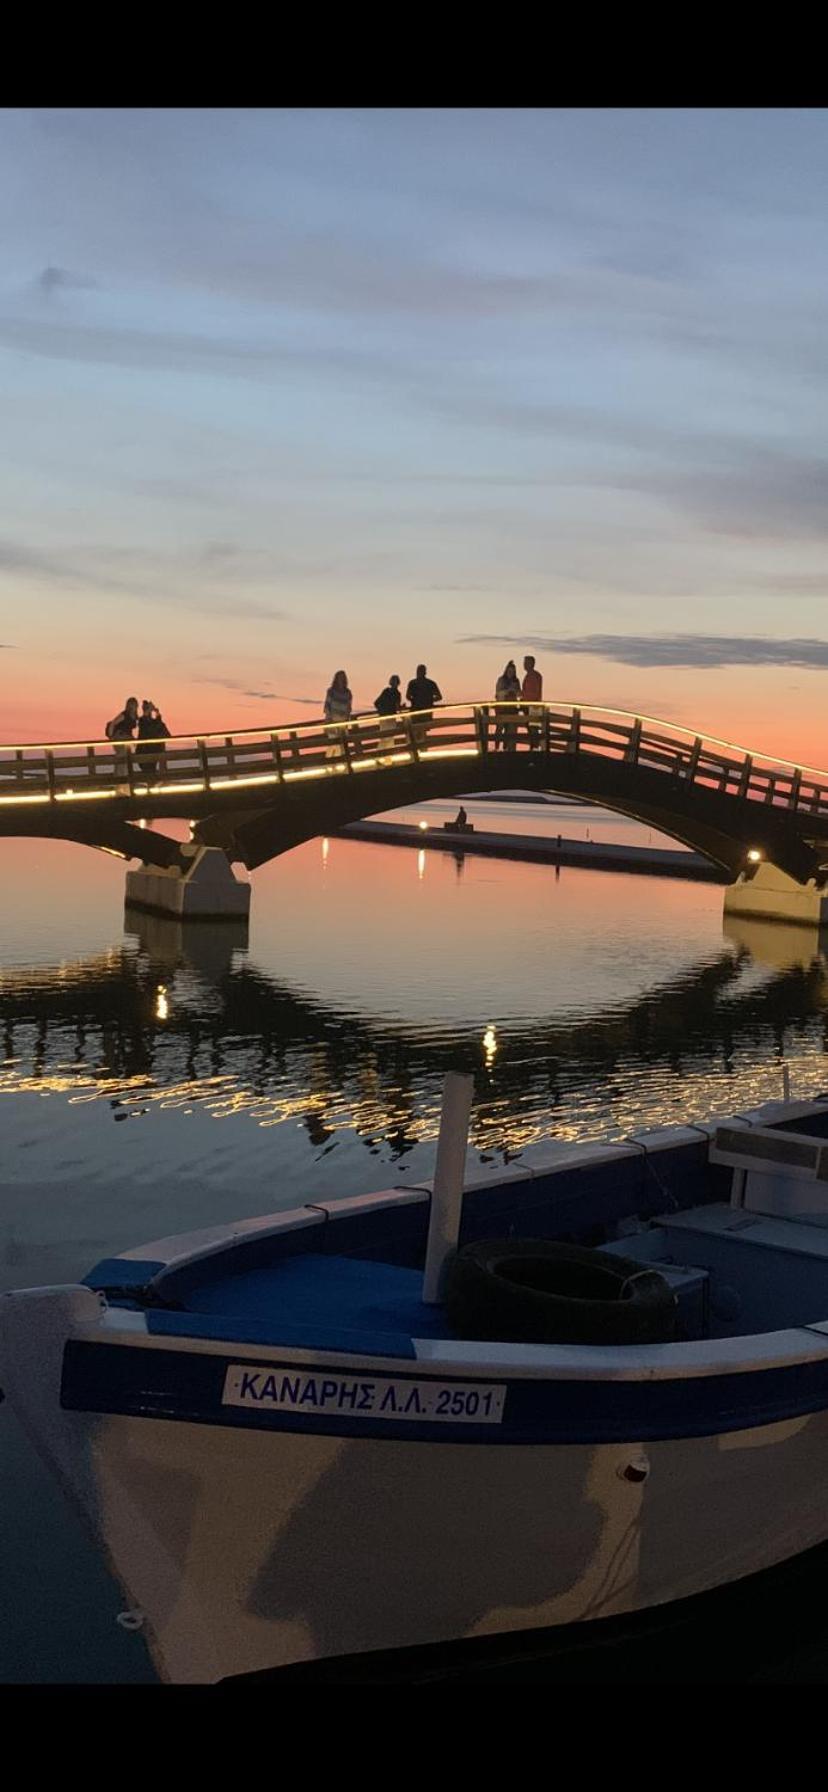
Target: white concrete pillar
[[206, 891], [773, 896]]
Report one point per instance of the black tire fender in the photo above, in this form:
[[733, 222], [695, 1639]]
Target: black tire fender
[[541, 1292]]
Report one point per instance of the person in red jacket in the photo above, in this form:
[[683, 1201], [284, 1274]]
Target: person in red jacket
[[532, 692]]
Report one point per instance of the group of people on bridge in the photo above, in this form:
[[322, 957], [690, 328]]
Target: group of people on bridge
[[422, 693], [149, 728]]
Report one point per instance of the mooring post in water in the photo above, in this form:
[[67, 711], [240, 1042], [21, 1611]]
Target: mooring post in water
[[786, 1083], [447, 1198]]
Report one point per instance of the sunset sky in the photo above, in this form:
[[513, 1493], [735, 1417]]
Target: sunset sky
[[284, 391]]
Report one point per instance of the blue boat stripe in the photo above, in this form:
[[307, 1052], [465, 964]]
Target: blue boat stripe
[[188, 1386]]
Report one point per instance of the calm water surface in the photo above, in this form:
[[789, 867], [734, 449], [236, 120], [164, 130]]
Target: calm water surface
[[154, 1079]]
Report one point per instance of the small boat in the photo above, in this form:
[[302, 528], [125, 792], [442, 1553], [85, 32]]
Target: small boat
[[574, 1393]]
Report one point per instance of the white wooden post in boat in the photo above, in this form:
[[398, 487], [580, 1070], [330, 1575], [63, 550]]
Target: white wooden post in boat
[[447, 1197]]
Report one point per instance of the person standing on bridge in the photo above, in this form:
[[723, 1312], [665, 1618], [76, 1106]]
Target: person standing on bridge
[[338, 706], [151, 729], [532, 692], [507, 690], [122, 727], [388, 705], [422, 692]]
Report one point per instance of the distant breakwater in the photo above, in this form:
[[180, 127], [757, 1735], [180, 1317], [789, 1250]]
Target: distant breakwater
[[546, 849]]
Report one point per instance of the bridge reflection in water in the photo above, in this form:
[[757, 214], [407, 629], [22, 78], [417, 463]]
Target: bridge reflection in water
[[179, 1017]]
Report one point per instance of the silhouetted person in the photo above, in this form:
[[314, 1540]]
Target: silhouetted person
[[507, 690], [532, 690], [338, 706], [152, 730], [389, 701], [388, 705], [122, 727], [422, 692]]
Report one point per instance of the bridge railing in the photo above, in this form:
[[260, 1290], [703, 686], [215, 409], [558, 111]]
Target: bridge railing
[[96, 771]]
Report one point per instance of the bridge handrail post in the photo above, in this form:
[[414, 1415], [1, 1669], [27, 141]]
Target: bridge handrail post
[[50, 773], [573, 744], [412, 738], [747, 773], [796, 786], [204, 758], [277, 755], [633, 744], [693, 761], [91, 763], [481, 726], [21, 768], [130, 763]]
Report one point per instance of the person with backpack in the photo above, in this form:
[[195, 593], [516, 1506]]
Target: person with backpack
[[122, 727], [152, 730]]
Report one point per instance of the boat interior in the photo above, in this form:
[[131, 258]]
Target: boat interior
[[737, 1224]]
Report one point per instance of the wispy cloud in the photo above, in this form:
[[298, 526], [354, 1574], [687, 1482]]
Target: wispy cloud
[[678, 651], [140, 574], [52, 279], [16, 556], [239, 684]]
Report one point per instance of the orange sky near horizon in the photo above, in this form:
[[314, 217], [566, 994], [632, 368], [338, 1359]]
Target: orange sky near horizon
[[778, 711]]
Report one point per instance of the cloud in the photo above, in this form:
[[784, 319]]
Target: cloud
[[753, 492], [53, 279], [181, 351], [238, 684], [18, 557], [156, 580], [281, 697], [680, 651]]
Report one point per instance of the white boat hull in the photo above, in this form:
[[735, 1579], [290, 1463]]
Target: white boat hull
[[249, 1548]]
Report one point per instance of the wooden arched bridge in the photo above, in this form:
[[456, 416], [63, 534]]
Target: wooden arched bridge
[[258, 793]]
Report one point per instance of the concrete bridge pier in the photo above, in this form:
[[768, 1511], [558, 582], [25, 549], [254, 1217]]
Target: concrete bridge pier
[[769, 894], [203, 890]]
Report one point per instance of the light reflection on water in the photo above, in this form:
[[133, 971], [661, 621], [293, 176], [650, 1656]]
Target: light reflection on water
[[587, 1005]]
